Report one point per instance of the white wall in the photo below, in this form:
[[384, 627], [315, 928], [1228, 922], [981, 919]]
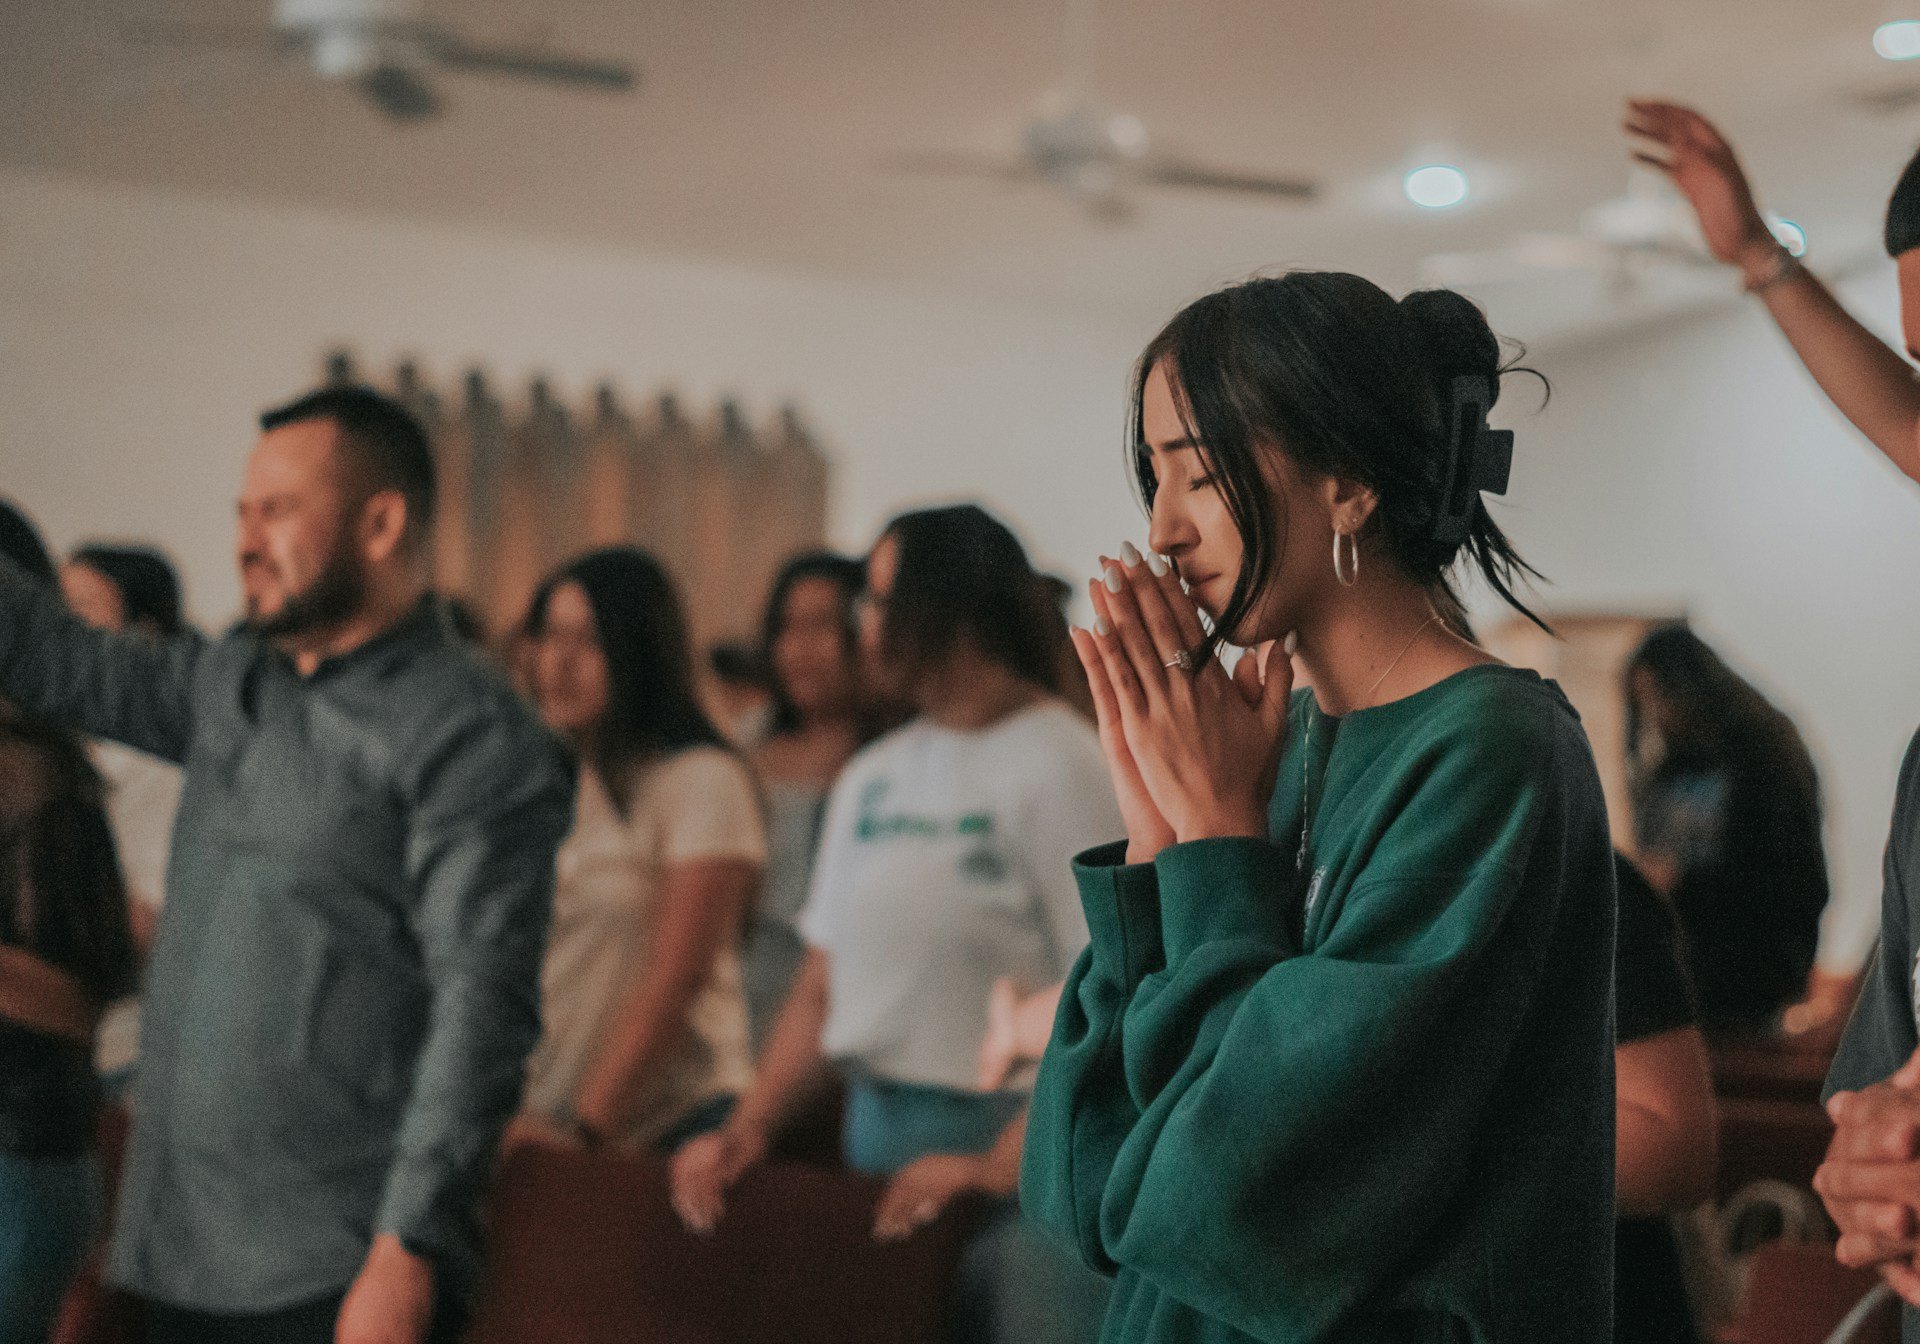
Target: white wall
[[1698, 468], [140, 334], [1695, 468]]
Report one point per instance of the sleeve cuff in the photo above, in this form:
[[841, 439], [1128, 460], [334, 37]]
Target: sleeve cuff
[[1122, 902], [1229, 888], [412, 1209]]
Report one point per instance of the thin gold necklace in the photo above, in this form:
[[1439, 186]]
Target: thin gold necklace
[[1306, 753]]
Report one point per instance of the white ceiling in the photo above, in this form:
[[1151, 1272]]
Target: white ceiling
[[755, 133]]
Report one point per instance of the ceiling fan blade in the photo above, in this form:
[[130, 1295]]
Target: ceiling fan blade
[[1112, 210], [604, 76], [1164, 172], [205, 36], [399, 93], [1883, 97], [959, 163]]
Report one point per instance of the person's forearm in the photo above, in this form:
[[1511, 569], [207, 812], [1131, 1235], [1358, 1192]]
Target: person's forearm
[[1865, 378], [1035, 1020], [793, 1056], [1001, 1163], [1657, 1169], [654, 1015], [699, 914]]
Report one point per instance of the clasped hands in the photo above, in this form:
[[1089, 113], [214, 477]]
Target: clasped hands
[[1870, 1181], [1192, 752]]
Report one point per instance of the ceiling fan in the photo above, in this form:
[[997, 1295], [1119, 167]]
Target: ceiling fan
[[1647, 231], [1092, 153], [387, 51], [1626, 239]]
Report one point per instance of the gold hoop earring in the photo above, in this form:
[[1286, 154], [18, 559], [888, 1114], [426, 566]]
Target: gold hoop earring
[[1348, 573]]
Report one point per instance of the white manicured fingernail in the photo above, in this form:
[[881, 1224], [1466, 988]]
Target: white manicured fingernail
[[1157, 563], [1102, 626], [1129, 556], [1112, 578], [1292, 642]]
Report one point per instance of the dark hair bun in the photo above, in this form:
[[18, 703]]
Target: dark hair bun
[[1455, 337]]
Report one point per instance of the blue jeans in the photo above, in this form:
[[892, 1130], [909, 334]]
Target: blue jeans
[[1014, 1286], [48, 1207]]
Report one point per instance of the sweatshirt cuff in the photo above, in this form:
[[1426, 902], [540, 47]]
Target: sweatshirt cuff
[[1231, 888], [1122, 902]]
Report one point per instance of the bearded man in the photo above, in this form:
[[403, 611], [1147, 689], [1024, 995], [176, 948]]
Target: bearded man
[[344, 984]]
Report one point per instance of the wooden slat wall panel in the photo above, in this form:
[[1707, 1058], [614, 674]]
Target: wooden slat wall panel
[[666, 496], [526, 483], [609, 475]]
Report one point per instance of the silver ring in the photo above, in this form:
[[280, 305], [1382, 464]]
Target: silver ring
[[1182, 660]]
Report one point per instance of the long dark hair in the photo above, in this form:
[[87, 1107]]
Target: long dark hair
[[1719, 717], [1329, 369], [62, 896], [847, 576], [149, 587], [964, 574], [652, 706], [20, 542]]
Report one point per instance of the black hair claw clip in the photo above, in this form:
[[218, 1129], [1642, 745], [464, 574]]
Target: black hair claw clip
[[1479, 459]]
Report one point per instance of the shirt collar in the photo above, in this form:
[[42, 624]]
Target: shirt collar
[[422, 627]]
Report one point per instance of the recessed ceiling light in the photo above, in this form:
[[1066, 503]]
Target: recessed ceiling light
[[1898, 41], [1790, 235], [1436, 186]]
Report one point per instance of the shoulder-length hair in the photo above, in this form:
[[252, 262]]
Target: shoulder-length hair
[[653, 707], [963, 574], [62, 896], [1719, 717], [848, 577]]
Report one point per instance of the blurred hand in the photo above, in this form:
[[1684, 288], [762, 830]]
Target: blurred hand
[[1662, 870], [1000, 1048], [391, 1301], [1870, 1181], [921, 1191], [144, 916], [1147, 831], [1697, 159], [706, 1168], [535, 1131]]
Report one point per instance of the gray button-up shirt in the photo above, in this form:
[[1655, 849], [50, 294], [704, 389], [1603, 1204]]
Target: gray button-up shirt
[[345, 985]]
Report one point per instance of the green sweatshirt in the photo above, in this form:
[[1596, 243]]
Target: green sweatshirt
[[1374, 1104]]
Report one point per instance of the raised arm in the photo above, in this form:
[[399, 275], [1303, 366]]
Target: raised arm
[[1864, 377], [125, 687]]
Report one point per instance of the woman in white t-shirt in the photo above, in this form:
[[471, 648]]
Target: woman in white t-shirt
[[644, 1027], [944, 867]]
